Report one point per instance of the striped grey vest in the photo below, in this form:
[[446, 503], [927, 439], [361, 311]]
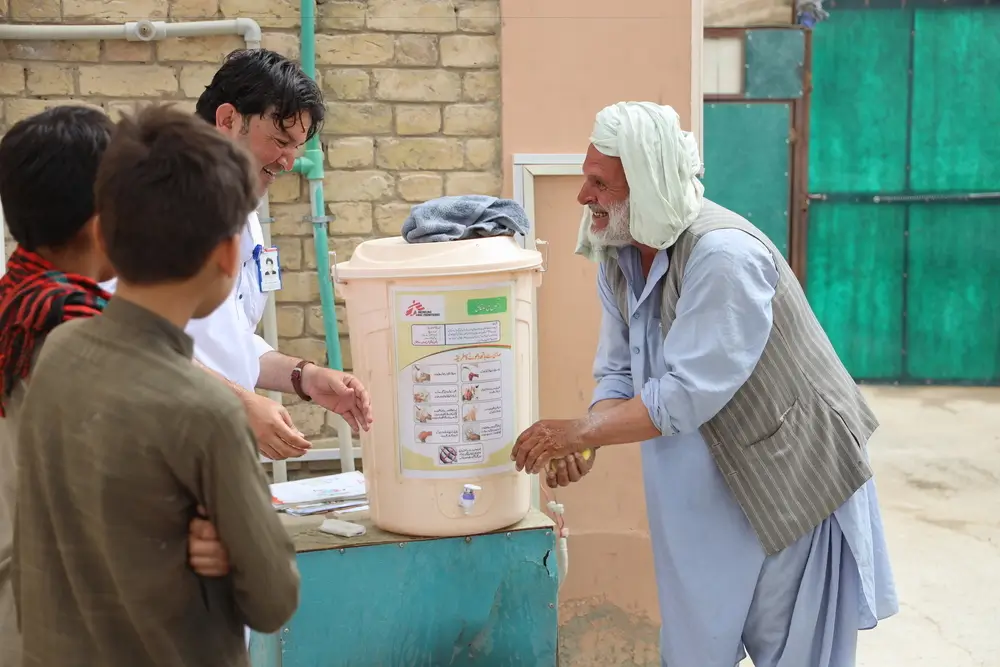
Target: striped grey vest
[[790, 442]]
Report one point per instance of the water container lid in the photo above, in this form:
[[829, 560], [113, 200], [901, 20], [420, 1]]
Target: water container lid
[[395, 258]]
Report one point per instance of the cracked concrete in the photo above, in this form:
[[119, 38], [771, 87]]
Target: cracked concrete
[[937, 463]]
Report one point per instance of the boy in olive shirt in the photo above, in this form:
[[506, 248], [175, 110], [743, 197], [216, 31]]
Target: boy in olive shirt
[[122, 437]]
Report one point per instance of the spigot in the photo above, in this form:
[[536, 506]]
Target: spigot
[[468, 497]]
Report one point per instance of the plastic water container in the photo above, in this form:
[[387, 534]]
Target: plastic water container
[[441, 334]]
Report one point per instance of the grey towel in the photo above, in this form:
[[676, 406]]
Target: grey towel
[[464, 217]]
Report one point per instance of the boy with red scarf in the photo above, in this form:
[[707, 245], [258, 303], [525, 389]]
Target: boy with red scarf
[[48, 164]]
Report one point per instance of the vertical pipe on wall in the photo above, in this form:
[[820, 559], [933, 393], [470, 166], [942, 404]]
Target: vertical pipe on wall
[[310, 165]]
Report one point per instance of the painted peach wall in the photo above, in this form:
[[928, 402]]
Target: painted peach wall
[[561, 62]]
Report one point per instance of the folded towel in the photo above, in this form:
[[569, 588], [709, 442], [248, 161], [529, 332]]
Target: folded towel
[[464, 217]]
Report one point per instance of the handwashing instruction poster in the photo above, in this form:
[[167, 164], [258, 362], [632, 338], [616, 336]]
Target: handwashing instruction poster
[[455, 379]]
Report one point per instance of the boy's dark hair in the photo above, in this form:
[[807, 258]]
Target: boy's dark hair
[[259, 82], [48, 163], [169, 190]]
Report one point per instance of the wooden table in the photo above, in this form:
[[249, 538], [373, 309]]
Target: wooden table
[[386, 600]]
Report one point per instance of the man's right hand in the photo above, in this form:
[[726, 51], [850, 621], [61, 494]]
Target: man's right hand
[[277, 437]]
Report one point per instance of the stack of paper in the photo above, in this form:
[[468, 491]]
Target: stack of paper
[[320, 494]]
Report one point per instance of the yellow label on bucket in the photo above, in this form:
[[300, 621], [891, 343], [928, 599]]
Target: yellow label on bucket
[[455, 379]]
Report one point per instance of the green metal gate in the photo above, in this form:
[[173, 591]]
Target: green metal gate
[[902, 258], [754, 139]]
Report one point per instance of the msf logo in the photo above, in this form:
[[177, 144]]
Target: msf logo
[[424, 307]]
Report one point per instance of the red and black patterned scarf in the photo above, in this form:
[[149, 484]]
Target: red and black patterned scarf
[[35, 297]]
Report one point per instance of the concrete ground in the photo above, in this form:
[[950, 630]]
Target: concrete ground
[[937, 464]]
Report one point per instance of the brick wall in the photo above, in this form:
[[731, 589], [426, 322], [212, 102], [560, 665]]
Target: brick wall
[[413, 99]]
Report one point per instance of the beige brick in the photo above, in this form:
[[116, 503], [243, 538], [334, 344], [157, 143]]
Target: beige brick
[[354, 49], [198, 49], [291, 321], [114, 10], [470, 51], [11, 79], [309, 417], [268, 13], [285, 43], [413, 119], [401, 85], [47, 79], [194, 79], [351, 152], [74, 52], [357, 185], [289, 252], [341, 245], [35, 10], [314, 322], [187, 106], [127, 80], [289, 219], [476, 120], [412, 15], [416, 50], [313, 349], [479, 16], [389, 218], [118, 109], [481, 86], [420, 187], [472, 183], [186, 10], [358, 118], [342, 15], [482, 153], [20, 108], [298, 286], [346, 84], [286, 188], [120, 50], [418, 153], [350, 217], [345, 246]]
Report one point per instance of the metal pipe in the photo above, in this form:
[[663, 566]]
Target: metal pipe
[[310, 165], [137, 31], [279, 471]]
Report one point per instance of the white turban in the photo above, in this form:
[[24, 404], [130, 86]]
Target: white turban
[[661, 164]]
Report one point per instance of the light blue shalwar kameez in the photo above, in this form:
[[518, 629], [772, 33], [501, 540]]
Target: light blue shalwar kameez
[[718, 591]]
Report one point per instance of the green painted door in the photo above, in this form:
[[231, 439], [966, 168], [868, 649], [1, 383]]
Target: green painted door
[[904, 178]]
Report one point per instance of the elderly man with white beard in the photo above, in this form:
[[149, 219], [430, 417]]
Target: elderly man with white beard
[[763, 514]]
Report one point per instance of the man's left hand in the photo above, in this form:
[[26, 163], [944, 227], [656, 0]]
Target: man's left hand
[[339, 392], [565, 471], [546, 440]]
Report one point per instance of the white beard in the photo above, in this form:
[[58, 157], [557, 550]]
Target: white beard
[[616, 234]]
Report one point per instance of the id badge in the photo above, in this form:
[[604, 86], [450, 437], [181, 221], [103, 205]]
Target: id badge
[[268, 270]]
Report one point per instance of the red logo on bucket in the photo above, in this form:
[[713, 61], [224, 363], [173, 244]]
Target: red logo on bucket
[[414, 308]]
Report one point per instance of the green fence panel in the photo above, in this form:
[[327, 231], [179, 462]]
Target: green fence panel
[[854, 283], [953, 293], [857, 136], [747, 163], [774, 63], [956, 100]]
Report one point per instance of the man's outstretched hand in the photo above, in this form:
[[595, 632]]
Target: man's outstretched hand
[[339, 392]]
